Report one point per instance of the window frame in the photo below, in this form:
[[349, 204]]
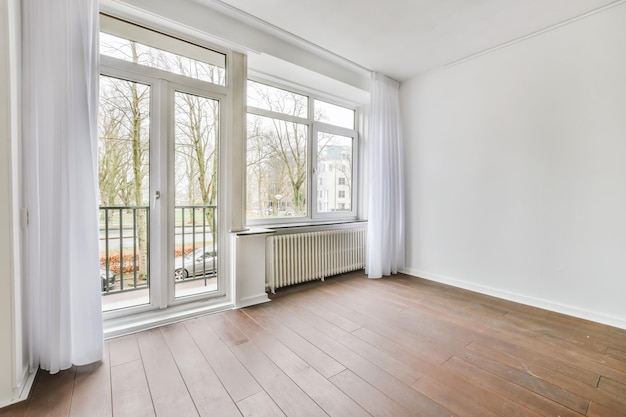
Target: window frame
[[340, 131], [164, 84], [167, 42], [313, 128]]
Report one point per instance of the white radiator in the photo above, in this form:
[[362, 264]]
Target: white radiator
[[300, 257]]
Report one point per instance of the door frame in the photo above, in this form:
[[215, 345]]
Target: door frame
[[161, 130], [223, 284]]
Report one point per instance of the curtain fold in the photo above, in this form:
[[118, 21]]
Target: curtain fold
[[385, 234], [59, 127]]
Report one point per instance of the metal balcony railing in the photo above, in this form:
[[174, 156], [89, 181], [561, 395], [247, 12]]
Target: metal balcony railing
[[196, 243], [125, 246]]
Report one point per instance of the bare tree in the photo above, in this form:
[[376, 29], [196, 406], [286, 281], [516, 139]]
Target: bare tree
[[196, 145], [280, 145], [257, 155], [197, 133], [123, 157], [112, 155]]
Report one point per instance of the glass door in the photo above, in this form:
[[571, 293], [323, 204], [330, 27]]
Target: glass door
[[159, 130], [195, 183], [130, 276], [124, 186]]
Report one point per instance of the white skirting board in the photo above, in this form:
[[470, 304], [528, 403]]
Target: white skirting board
[[518, 298], [24, 391]]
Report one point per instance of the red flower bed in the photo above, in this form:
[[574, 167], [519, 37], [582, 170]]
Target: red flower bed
[[130, 260]]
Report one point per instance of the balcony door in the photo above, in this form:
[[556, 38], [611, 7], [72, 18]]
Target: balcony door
[[195, 191], [159, 214], [125, 168], [159, 161]]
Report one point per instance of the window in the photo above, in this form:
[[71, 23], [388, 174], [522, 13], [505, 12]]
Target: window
[[131, 43], [293, 138], [277, 100], [277, 166], [333, 114], [336, 151]]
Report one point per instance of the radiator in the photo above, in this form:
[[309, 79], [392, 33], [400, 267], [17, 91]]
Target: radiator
[[301, 257]]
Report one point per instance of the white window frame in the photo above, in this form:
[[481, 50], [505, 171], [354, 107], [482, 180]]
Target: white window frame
[[313, 127], [163, 85], [168, 43], [341, 131]]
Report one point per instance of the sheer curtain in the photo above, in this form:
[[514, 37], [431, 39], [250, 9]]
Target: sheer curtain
[[59, 127], [385, 233]]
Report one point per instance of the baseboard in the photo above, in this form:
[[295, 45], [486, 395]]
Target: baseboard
[[156, 318], [252, 300], [519, 298], [22, 392]]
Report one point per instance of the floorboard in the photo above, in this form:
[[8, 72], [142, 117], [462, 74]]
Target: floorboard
[[205, 388], [233, 375], [130, 392], [92, 390], [349, 346], [170, 395]]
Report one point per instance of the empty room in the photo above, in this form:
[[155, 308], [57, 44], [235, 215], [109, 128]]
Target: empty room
[[330, 208]]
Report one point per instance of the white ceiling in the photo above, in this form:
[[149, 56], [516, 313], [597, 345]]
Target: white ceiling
[[402, 38]]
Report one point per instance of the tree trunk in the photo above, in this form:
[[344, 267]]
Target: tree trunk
[[137, 153]]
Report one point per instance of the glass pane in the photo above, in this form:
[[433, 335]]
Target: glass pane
[[275, 99], [333, 114], [195, 179], [123, 173], [334, 173], [139, 53], [277, 168]]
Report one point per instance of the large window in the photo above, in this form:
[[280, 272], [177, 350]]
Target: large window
[[301, 156]]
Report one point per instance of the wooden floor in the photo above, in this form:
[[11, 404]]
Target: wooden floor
[[353, 347]]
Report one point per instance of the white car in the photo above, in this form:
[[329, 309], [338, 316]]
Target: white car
[[201, 261]]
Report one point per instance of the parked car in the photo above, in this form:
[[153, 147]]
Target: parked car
[[108, 280], [199, 262]]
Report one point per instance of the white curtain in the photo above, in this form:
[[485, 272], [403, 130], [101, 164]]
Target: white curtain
[[59, 127], [385, 233]]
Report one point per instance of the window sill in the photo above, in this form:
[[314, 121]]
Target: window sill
[[120, 326], [283, 228]]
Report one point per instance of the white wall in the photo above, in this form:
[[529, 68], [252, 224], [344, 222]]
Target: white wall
[[516, 170]]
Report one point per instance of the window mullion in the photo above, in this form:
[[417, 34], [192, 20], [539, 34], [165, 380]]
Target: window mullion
[[107, 62], [312, 161]]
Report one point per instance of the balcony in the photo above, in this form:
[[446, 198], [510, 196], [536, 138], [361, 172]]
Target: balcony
[[125, 253]]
